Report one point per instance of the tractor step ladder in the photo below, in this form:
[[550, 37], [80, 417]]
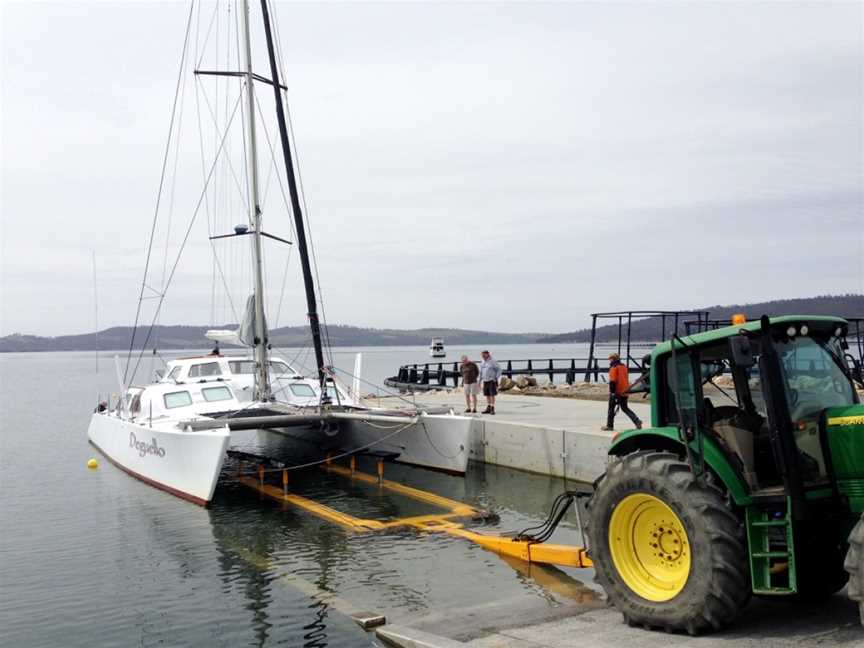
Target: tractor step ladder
[[772, 550]]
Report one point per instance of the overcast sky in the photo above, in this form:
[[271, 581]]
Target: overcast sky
[[508, 167]]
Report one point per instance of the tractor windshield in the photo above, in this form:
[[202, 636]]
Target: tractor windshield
[[814, 377]]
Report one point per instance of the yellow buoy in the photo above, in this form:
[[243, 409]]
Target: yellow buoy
[[92, 464]]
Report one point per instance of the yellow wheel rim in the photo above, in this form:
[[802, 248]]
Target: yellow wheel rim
[[649, 547]]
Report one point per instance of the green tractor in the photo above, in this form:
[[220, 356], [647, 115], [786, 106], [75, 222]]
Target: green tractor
[[750, 479]]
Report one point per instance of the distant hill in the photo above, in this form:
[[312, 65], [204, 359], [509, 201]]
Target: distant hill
[[186, 337], [649, 329], [646, 330]]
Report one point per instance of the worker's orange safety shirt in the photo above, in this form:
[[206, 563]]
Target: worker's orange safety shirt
[[619, 375]]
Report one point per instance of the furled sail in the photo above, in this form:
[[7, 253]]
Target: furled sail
[[247, 329], [244, 335]]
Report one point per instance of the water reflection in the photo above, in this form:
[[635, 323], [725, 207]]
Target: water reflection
[[403, 572]]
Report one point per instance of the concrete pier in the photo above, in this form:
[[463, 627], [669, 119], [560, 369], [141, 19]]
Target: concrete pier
[[548, 436]]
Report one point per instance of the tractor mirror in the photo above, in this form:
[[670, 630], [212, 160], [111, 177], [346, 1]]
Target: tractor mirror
[[741, 351]]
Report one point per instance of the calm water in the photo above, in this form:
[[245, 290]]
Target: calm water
[[98, 558]]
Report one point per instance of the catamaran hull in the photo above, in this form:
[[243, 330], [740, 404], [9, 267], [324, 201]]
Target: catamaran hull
[[438, 442], [185, 464]]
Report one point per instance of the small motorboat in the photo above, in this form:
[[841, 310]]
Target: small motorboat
[[436, 348]]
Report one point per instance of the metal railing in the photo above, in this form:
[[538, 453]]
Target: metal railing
[[439, 375]]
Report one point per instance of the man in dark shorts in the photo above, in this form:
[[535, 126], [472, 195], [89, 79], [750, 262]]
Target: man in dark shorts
[[470, 373], [490, 372]]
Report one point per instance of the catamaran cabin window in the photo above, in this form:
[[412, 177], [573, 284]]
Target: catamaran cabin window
[[278, 368], [175, 373], [177, 399], [205, 370], [242, 366], [216, 394], [304, 391]]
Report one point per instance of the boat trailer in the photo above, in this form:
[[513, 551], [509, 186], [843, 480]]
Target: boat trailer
[[529, 547]]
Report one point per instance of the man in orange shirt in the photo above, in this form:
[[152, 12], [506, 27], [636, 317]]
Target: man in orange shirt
[[619, 383]]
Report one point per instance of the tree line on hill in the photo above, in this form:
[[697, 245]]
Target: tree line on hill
[[647, 330], [192, 337], [651, 329]]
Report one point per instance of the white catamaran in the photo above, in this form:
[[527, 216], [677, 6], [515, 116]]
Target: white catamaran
[[175, 433]]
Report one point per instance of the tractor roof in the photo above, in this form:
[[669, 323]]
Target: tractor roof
[[706, 337]]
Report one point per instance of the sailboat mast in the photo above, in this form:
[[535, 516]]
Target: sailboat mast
[[262, 381], [302, 247]]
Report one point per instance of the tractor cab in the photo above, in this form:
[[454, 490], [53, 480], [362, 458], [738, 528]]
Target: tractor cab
[[761, 396], [753, 464]]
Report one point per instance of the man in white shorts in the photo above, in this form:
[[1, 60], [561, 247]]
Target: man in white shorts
[[470, 374]]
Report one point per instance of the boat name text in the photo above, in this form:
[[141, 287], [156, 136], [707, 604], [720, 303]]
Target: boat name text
[[145, 448]]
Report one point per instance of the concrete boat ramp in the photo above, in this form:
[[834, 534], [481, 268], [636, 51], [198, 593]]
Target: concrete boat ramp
[[764, 624], [544, 435]]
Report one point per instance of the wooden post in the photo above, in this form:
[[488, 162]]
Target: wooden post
[[380, 470], [353, 464], [261, 474], [285, 482]]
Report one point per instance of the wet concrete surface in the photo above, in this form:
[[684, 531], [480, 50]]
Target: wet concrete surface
[[592, 624]]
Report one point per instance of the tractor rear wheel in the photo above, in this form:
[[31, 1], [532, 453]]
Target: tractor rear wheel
[[667, 547], [855, 566]]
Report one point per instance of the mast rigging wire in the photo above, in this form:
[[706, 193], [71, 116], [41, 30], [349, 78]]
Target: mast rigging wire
[[274, 164], [159, 192], [198, 48], [183, 244], [296, 156], [240, 190], [203, 48]]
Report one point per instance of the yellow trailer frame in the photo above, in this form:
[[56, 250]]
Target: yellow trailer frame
[[449, 522]]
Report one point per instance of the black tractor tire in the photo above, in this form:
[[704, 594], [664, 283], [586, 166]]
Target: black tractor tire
[[718, 585], [854, 566]]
